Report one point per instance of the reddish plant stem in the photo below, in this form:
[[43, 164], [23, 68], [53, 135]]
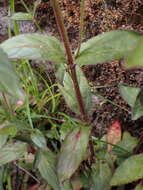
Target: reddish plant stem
[[70, 61]]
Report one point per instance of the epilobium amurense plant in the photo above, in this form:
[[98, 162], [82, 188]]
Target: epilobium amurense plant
[[57, 171]]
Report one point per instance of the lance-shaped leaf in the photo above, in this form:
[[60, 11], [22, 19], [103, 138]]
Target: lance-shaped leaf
[[137, 110], [135, 59], [68, 91], [9, 82], [12, 152], [21, 16], [39, 139], [129, 94], [101, 175], [34, 46], [72, 152], [46, 166], [130, 170], [107, 46]]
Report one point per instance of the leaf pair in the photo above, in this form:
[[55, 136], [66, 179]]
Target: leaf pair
[[134, 97], [102, 48]]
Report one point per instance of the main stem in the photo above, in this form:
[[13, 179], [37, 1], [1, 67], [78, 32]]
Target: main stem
[[70, 61]]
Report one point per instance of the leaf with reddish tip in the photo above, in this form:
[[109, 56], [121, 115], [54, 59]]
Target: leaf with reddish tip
[[72, 152], [114, 134]]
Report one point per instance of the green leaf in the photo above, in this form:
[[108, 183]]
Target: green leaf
[[130, 170], [129, 94], [9, 82], [107, 47], [134, 97], [66, 185], [65, 128], [11, 152], [139, 187], [39, 139], [5, 130], [127, 144], [9, 130], [34, 46], [3, 140], [101, 175], [135, 58], [100, 147], [72, 152], [68, 92], [137, 110], [47, 170], [21, 16], [60, 72]]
